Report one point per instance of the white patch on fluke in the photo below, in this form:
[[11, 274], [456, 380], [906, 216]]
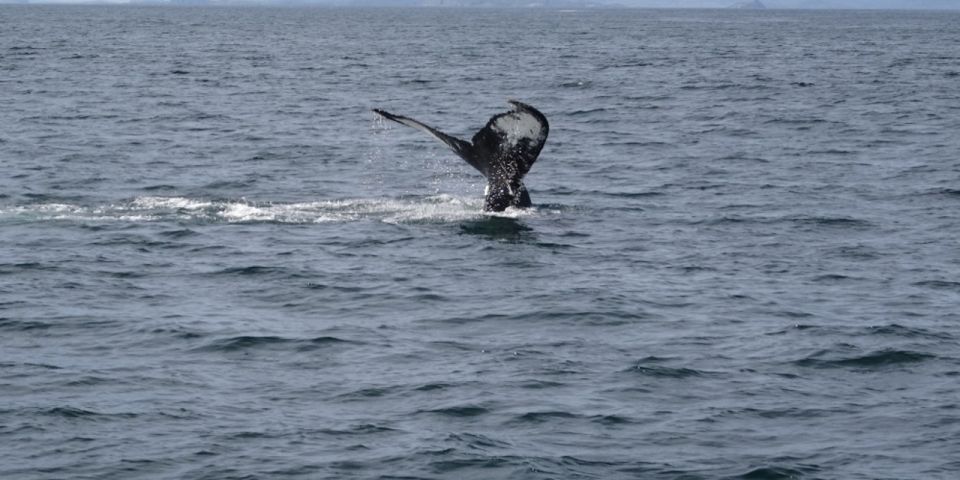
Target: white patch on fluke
[[517, 126]]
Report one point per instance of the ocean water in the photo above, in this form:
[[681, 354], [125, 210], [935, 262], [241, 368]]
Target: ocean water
[[217, 263]]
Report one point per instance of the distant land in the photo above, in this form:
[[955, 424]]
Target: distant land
[[749, 4]]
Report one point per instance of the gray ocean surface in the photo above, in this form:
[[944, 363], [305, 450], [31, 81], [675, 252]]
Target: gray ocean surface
[[217, 263]]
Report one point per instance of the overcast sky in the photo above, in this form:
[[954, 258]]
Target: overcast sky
[[904, 4], [954, 4], [894, 4]]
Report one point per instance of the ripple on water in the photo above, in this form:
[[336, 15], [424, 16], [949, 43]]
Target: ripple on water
[[888, 358], [254, 342], [651, 367], [458, 411], [778, 473]]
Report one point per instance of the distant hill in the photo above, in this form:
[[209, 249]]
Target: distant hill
[[482, 3], [576, 4], [751, 5], [746, 4]]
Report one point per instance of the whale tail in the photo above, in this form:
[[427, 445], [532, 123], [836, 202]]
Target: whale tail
[[503, 151]]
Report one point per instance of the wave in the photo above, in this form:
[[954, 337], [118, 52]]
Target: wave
[[871, 360], [246, 343], [70, 412], [776, 473], [468, 410], [430, 209]]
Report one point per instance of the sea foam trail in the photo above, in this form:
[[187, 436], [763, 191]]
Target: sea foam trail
[[438, 208]]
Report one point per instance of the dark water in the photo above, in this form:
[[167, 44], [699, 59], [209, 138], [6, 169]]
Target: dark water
[[215, 263]]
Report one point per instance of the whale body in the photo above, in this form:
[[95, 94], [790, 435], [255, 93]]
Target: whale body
[[503, 151]]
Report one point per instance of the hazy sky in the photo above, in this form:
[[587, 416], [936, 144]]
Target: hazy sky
[[905, 4], [954, 4], [901, 4]]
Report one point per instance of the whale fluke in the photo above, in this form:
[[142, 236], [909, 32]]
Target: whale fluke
[[503, 151]]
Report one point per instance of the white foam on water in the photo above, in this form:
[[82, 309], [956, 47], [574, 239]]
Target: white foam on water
[[512, 212], [438, 208], [179, 203], [432, 209], [68, 212], [283, 213]]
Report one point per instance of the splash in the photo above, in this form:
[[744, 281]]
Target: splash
[[406, 210]]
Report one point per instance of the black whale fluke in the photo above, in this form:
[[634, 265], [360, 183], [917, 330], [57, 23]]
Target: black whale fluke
[[503, 151]]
